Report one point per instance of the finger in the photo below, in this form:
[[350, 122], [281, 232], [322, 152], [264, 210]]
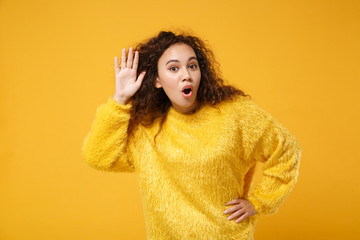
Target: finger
[[123, 58], [140, 78], [130, 58], [245, 215], [235, 201], [136, 60], [117, 69], [232, 209], [235, 214]]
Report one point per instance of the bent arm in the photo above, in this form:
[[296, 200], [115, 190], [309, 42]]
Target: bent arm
[[104, 147], [280, 152]]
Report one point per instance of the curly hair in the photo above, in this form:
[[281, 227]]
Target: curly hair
[[150, 103]]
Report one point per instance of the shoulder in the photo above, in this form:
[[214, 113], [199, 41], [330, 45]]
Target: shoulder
[[249, 116], [259, 122], [245, 109]]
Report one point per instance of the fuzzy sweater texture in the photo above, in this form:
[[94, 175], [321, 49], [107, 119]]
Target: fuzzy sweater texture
[[200, 162]]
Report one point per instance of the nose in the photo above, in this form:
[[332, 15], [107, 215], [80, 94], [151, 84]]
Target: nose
[[186, 75]]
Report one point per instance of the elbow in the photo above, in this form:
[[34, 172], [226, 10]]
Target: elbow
[[96, 162], [91, 159], [297, 152], [93, 156], [106, 160]]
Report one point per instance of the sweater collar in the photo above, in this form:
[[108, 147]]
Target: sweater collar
[[200, 113]]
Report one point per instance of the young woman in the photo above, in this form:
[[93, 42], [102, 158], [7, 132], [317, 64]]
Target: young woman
[[192, 141]]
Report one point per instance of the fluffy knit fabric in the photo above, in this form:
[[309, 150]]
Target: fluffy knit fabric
[[200, 162]]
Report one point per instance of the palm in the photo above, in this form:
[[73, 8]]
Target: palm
[[126, 83], [125, 80]]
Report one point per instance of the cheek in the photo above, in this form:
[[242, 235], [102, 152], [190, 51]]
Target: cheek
[[171, 85], [198, 77], [169, 80]]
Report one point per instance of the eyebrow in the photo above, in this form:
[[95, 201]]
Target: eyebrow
[[174, 60]]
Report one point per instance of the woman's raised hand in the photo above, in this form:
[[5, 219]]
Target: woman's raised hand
[[126, 83]]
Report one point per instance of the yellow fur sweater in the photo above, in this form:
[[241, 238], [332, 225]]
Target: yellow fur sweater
[[200, 162]]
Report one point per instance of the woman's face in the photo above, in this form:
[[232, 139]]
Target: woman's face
[[179, 75]]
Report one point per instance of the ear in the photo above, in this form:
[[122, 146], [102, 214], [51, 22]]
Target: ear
[[157, 83]]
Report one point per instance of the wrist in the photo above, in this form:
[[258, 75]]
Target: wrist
[[121, 100]]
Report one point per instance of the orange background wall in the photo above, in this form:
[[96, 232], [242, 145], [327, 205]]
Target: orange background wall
[[299, 60]]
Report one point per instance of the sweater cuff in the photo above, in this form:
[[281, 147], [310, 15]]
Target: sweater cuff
[[112, 103], [255, 203]]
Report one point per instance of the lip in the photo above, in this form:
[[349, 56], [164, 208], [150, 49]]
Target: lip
[[187, 95], [186, 86]]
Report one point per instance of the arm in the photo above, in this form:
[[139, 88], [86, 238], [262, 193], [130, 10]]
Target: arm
[[280, 152], [104, 147]]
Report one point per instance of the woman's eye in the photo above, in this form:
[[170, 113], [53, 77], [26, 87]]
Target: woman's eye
[[192, 66]]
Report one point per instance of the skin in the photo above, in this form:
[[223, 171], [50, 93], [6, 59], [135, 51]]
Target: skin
[[171, 80], [126, 83], [178, 67], [242, 207]]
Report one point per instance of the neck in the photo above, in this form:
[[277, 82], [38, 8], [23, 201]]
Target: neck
[[188, 110]]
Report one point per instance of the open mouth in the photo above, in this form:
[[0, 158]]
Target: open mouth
[[187, 92]]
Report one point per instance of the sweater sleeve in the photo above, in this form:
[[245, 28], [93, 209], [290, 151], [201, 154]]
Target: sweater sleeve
[[105, 146], [280, 152]]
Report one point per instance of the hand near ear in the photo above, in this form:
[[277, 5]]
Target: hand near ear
[[242, 207], [126, 83]]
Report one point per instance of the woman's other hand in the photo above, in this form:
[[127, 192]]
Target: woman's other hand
[[242, 207], [126, 83]]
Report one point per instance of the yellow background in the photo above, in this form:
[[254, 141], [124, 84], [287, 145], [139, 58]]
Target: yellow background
[[299, 60]]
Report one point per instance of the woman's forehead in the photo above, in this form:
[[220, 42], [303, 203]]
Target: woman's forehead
[[178, 51]]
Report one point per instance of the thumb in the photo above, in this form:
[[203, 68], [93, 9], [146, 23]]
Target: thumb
[[140, 78]]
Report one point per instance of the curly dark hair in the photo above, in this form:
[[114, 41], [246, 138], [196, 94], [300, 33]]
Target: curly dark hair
[[149, 102]]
